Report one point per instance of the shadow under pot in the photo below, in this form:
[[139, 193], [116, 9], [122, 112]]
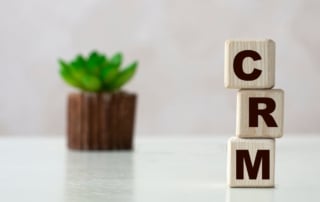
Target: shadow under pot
[[101, 121]]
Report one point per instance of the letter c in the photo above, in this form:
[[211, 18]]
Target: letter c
[[238, 67]]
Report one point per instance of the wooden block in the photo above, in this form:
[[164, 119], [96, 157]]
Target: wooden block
[[251, 162], [249, 64], [260, 113]]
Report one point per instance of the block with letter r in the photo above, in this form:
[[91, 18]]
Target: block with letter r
[[260, 113]]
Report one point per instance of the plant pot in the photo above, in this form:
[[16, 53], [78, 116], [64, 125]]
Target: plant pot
[[101, 121]]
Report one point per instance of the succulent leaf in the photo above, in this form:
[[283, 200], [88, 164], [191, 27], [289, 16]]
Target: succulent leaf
[[67, 76], [124, 76], [116, 60], [109, 74], [91, 83], [79, 62]]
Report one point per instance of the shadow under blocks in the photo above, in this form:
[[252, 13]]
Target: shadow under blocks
[[250, 67]]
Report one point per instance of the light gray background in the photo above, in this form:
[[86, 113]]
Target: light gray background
[[180, 46]]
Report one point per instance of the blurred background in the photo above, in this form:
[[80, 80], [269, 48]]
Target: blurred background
[[180, 47]]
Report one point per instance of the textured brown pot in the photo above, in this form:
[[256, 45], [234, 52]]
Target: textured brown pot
[[101, 121]]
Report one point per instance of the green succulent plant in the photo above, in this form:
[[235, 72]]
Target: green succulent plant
[[97, 72]]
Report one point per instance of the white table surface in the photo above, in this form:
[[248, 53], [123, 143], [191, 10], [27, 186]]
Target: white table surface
[[158, 170]]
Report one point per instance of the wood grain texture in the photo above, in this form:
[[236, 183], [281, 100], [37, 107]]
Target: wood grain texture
[[101, 121], [252, 146], [265, 48], [85, 121], [243, 128], [74, 117], [105, 135]]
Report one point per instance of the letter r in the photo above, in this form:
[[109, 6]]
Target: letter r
[[254, 111]]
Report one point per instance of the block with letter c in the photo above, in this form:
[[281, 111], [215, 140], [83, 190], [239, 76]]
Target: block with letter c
[[249, 64]]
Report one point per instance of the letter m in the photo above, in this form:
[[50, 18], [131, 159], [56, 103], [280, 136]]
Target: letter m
[[243, 157]]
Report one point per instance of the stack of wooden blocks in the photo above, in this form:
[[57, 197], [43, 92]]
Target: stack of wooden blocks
[[250, 67]]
